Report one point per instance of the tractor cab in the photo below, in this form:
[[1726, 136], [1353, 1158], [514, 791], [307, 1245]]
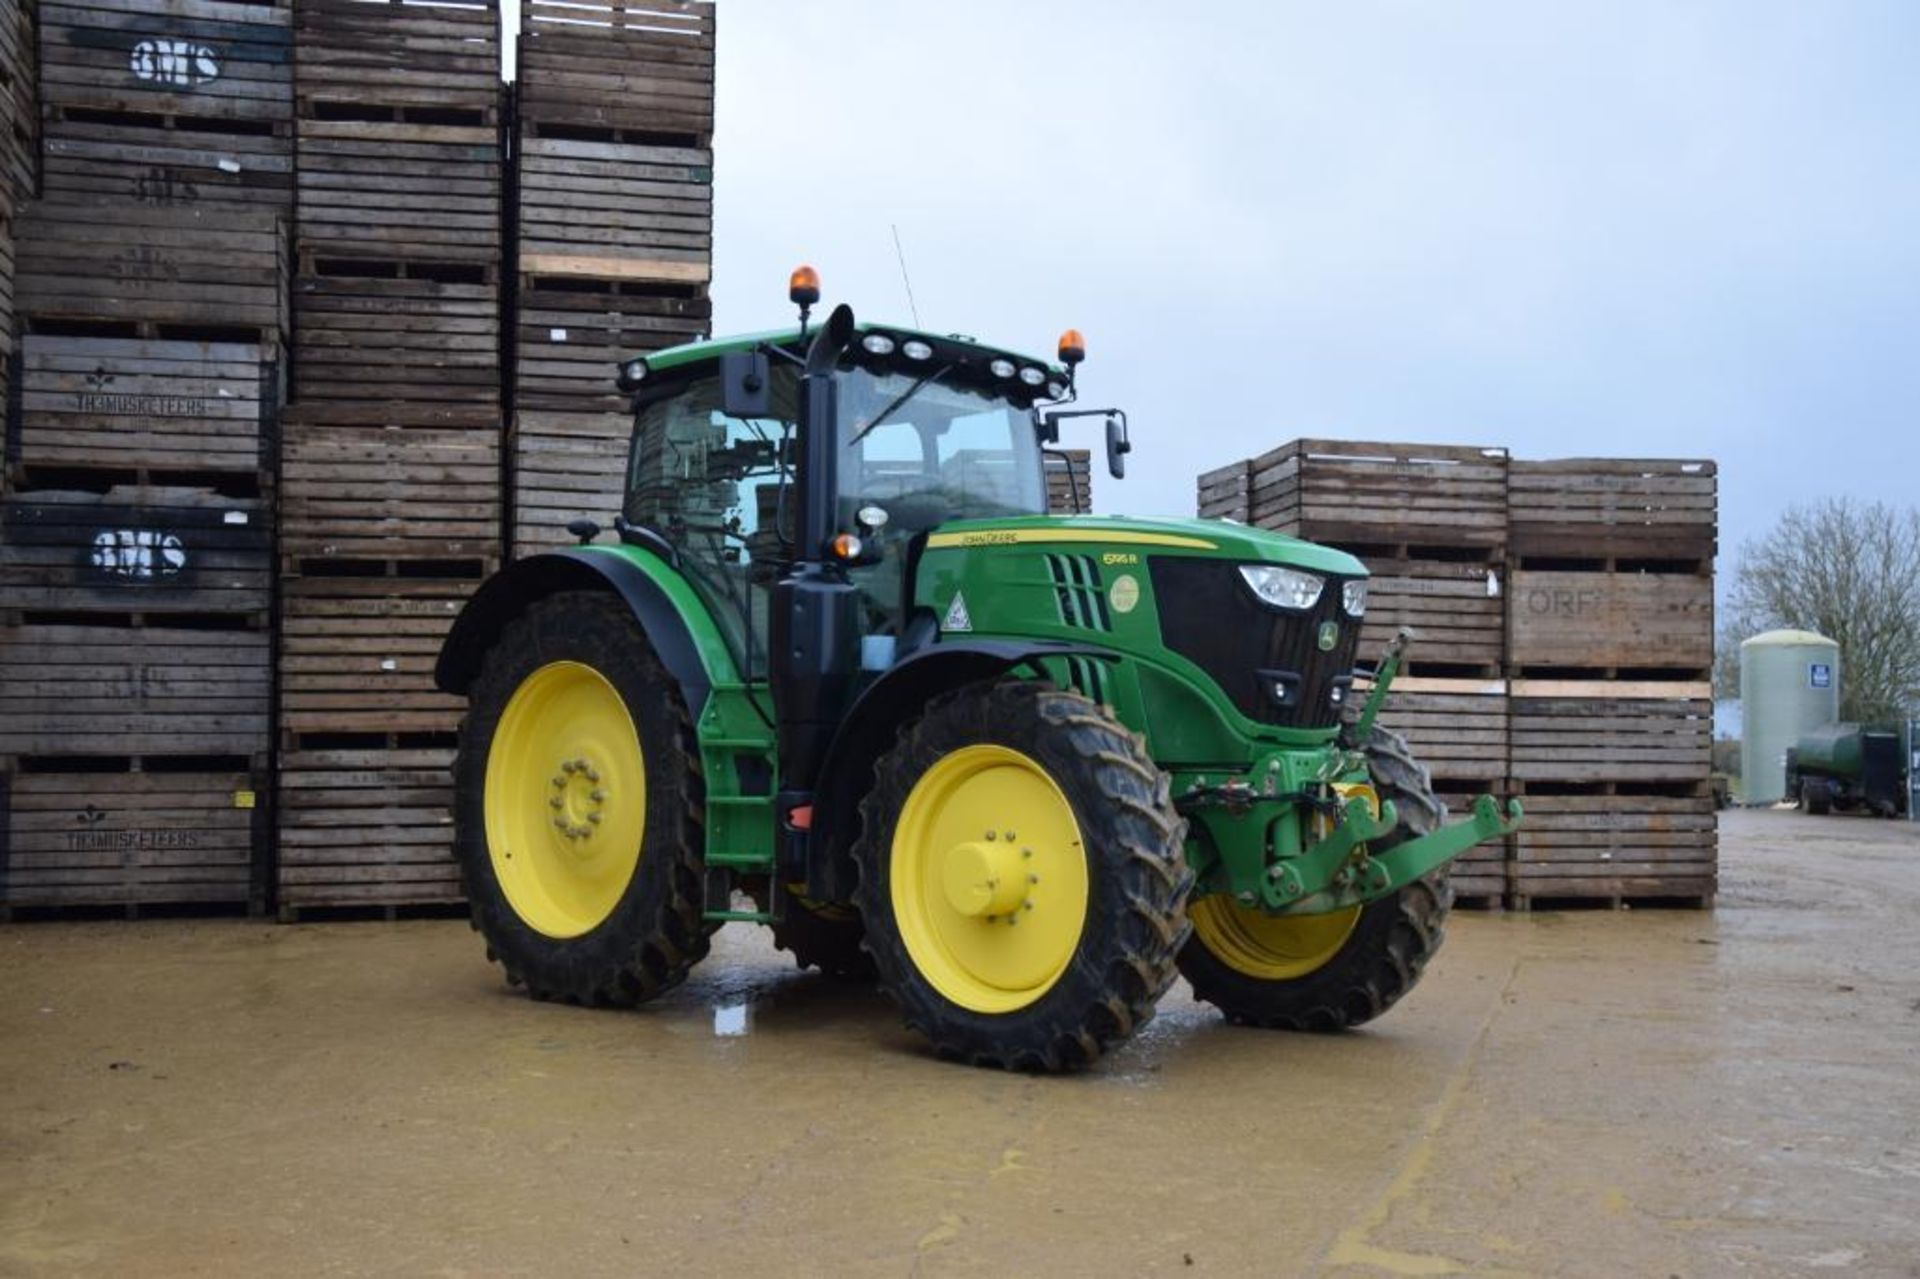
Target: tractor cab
[[929, 430]]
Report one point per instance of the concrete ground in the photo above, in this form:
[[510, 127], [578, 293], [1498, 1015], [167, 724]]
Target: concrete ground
[[1654, 1093]]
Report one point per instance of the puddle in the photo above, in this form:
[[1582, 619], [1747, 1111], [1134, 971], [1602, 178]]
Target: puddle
[[732, 1019]]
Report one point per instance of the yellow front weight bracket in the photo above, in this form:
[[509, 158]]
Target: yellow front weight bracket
[[1348, 871]]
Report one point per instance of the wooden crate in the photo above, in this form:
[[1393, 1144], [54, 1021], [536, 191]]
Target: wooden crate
[[1226, 493], [1453, 599], [96, 832], [399, 190], [639, 65], [209, 59], [165, 162], [1614, 507], [1624, 845], [392, 491], [364, 823], [1382, 494], [440, 57], [207, 268], [357, 651], [146, 406], [1456, 727], [139, 552], [1611, 731], [565, 466], [1569, 617], [370, 338], [572, 334], [641, 213], [83, 690], [1069, 481]]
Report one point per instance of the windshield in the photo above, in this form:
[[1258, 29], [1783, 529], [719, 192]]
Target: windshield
[[941, 452]]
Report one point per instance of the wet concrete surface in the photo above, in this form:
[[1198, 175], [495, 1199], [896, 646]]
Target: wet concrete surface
[[1655, 1093]]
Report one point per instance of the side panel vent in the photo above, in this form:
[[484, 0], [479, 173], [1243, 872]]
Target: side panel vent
[[1076, 588]]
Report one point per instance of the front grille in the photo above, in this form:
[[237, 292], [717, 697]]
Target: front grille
[[1209, 615], [1076, 589]]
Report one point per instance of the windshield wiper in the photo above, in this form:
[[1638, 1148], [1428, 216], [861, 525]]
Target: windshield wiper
[[899, 400]]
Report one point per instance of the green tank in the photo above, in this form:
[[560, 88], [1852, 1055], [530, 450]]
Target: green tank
[[1848, 767]]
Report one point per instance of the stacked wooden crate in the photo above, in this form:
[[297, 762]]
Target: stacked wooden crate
[[1430, 523], [1611, 653], [613, 221], [19, 154], [136, 537], [390, 501]]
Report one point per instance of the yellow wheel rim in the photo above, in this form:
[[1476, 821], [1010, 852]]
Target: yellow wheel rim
[[566, 799], [1269, 947], [989, 879]]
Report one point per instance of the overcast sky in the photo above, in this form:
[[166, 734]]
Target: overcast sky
[[1675, 229]]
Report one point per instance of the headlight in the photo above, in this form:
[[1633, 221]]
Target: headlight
[[877, 344], [1283, 587], [1353, 597], [1056, 390], [632, 373], [916, 350], [1002, 368], [1032, 377]]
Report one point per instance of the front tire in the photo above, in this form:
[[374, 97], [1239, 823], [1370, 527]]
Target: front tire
[[1021, 877], [577, 807], [1328, 972]]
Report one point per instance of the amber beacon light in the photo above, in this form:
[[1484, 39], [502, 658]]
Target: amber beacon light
[[1073, 348]]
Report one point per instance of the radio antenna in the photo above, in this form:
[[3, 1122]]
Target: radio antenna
[[905, 279]]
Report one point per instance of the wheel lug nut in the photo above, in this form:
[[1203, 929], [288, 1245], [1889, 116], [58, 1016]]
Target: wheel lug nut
[[555, 802], [990, 837], [597, 795], [593, 774], [561, 823], [567, 767], [594, 818]]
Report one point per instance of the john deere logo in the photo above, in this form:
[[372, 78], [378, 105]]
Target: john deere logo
[[1124, 593], [1329, 636]]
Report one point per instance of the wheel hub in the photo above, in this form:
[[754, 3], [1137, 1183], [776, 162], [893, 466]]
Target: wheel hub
[[578, 798], [983, 879]]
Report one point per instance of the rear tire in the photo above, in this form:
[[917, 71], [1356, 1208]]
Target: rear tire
[[824, 935], [606, 911], [1334, 979], [1815, 797], [1021, 877]]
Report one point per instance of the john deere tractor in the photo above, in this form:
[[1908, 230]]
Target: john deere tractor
[[838, 672]]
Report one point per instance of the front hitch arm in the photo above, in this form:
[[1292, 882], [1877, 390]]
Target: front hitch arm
[[1354, 874]]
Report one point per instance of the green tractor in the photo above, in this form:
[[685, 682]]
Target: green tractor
[[841, 674]]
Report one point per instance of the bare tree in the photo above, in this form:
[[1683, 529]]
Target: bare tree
[[1851, 571]]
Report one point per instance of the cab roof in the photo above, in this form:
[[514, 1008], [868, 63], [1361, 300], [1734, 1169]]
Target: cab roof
[[712, 348]]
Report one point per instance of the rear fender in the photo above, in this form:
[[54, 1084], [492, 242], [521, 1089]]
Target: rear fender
[[663, 602], [873, 724]]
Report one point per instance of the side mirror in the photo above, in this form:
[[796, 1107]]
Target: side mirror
[[746, 384], [1117, 447]]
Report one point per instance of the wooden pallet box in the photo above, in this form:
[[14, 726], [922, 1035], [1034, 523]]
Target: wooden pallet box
[[1661, 508], [565, 466], [209, 59], [132, 551], [1456, 727], [216, 270], [646, 207], [19, 106], [95, 834], [1453, 601], [400, 190], [1606, 732], [370, 339], [1617, 846], [72, 690], [1382, 494], [392, 492], [572, 335], [147, 406], [1624, 619], [166, 163], [641, 65], [397, 53], [357, 652], [365, 825], [1226, 493]]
